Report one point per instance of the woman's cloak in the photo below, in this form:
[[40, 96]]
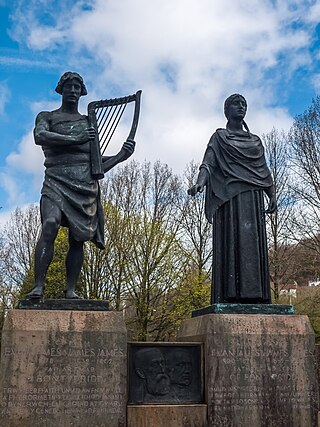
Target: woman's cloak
[[237, 177]]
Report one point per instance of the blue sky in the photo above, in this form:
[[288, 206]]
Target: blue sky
[[186, 55]]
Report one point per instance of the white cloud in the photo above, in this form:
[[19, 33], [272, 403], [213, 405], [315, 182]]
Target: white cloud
[[4, 96], [186, 55], [28, 158], [11, 187], [44, 105], [4, 217], [316, 82], [11, 61], [44, 37], [25, 162], [313, 14]]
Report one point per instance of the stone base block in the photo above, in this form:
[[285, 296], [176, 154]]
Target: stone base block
[[63, 368], [167, 416], [259, 369]]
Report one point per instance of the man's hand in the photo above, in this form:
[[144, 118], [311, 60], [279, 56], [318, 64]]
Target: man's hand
[[88, 134], [127, 149], [197, 188]]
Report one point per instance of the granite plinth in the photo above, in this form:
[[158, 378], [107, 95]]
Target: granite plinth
[[259, 369], [167, 415], [244, 309], [63, 304], [63, 368]]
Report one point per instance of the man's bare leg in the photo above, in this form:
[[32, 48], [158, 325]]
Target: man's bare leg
[[74, 264], [51, 215]]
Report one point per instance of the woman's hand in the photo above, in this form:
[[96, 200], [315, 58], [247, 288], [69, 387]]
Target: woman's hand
[[197, 188], [272, 206]]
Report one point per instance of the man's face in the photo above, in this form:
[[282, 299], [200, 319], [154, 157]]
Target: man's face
[[157, 381], [71, 91], [180, 369], [237, 109]]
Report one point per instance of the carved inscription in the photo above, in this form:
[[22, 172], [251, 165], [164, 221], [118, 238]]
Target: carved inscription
[[68, 380], [259, 377], [238, 397], [53, 400], [259, 369]]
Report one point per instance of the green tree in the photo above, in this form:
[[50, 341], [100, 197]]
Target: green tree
[[104, 274], [56, 275], [193, 292], [153, 258], [307, 302]]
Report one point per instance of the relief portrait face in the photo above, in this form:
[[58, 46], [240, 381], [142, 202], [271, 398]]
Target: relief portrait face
[[179, 368], [150, 366]]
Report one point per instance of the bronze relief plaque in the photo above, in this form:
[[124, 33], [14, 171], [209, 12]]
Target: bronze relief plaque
[[169, 373]]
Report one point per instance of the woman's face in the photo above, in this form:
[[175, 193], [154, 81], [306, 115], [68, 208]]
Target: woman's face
[[237, 109]]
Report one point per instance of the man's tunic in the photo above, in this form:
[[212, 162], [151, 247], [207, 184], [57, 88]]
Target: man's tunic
[[68, 183]]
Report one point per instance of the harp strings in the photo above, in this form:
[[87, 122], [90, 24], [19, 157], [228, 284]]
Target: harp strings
[[108, 119]]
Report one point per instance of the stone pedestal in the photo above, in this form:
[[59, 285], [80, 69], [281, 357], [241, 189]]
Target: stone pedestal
[[259, 369], [167, 416], [63, 368]]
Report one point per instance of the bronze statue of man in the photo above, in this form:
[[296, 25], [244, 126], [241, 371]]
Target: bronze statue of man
[[70, 196], [236, 177]]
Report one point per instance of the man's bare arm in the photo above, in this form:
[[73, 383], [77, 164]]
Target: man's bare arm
[[108, 162], [44, 137]]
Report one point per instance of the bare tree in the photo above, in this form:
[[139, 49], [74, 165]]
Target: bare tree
[[143, 258], [19, 237], [280, 233], [17, 242], [197, 231], [155, 261], [305, 156], [8, 290], [193, 289], [104, 273]]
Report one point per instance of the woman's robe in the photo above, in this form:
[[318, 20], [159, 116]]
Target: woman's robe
[[237, 178]]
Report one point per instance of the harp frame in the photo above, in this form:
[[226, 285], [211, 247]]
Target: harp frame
[[95, 147]]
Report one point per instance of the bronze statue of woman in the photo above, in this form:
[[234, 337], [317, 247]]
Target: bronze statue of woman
[[235, 175]]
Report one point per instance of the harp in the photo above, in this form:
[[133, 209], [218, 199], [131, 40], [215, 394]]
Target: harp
[[105, 116]]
